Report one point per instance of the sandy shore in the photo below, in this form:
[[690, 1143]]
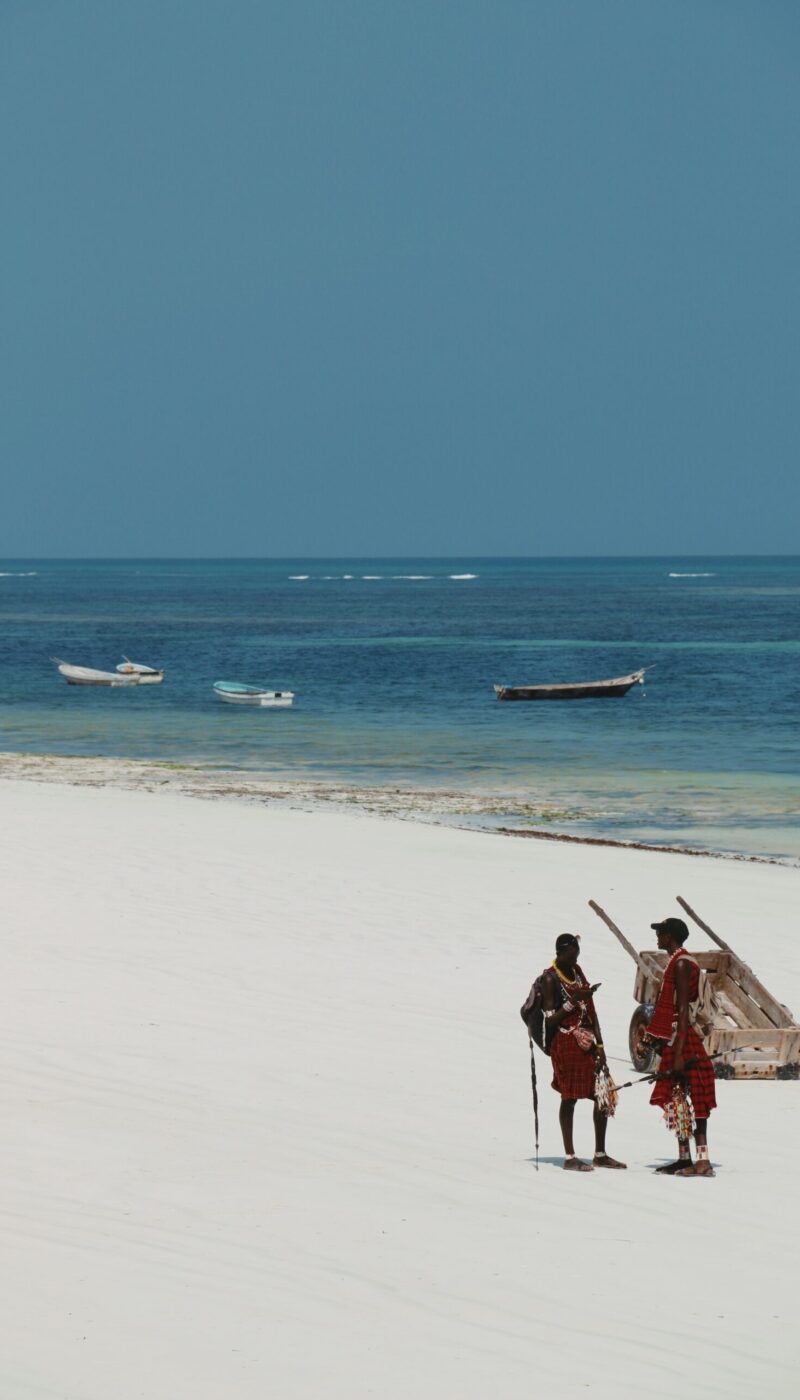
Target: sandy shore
[[268, 1121], [508, 815]]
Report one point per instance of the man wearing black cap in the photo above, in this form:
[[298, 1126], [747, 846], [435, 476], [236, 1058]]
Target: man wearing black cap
[[684, 1062], [572, 1035]]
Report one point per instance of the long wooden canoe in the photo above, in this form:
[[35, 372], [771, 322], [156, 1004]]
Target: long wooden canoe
[[583, 690]]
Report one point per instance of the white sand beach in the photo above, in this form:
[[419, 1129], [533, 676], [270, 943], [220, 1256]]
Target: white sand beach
[[268, 1125]]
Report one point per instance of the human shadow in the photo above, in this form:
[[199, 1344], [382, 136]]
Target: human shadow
[[553, 1161]]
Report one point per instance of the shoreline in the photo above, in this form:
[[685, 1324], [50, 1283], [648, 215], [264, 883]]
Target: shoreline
[[644, 846], [458, 809]]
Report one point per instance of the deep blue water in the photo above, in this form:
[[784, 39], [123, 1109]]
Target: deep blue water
[[394, 677]]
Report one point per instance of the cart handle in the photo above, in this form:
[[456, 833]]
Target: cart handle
[[629, 948]]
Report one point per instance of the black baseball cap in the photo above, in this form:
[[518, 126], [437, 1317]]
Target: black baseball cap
[[676, 929], [567, 940]]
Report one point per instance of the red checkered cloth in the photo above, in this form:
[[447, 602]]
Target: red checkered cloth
[[574, 1069], [700, 1078], [665, 1017]]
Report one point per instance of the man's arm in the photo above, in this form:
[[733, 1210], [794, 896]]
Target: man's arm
[[550, 1002]]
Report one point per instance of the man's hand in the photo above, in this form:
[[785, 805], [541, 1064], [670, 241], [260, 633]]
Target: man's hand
[[600, 1057], [677, 1063], [581, 994]]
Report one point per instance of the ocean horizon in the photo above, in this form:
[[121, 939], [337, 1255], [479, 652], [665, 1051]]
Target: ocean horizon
[[393, 663]]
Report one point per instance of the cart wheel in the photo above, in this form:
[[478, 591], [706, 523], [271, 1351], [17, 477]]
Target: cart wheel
[[642, 1053]]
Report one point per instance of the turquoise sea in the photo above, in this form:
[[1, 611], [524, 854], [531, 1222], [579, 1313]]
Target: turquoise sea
[[393, 663]]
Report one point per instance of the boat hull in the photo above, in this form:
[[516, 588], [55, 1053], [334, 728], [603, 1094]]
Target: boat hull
[[262, 699], [148, 675], [112, 685], [83, 675], [590, 690]]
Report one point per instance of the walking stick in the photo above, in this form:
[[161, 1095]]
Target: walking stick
[[669, 1073], [535, 1100]]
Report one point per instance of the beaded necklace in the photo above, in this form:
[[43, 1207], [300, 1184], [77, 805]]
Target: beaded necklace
[[568, 981], [580, 1007]]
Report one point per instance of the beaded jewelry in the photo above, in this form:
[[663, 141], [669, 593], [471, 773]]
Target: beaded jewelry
[[605, 1092], [568, 981], [679, 1113]]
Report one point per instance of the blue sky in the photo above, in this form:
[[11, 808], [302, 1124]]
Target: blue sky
[[399, 277]]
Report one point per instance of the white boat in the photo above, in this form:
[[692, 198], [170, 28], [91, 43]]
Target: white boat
[[237, 694], [84, 675], [148, 675]]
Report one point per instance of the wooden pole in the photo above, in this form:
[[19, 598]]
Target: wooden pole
[[742, 974], [629, 948], [535, 1101], [720, 942]]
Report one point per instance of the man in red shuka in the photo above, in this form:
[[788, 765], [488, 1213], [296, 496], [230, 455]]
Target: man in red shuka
[[573, 1037], [683, 1057]]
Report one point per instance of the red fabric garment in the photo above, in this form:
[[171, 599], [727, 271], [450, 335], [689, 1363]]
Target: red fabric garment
[[665, 1016], [700, 1077], [574, 1069]]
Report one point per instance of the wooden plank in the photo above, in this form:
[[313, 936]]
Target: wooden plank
[[756, 1038], [629, 948], [646, 988], [755, 1069], [749, 1007], [743, 1009], [716, 964], [740, 972], [742, 975]]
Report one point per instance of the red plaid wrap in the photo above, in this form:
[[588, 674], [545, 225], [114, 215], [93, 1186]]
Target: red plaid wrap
[[574, 1069], [700, 1077]]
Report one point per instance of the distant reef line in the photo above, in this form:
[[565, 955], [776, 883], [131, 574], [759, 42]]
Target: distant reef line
[[464, 809]]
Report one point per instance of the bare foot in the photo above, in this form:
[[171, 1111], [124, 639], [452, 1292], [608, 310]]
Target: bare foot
[[671, 1168], [697, 1169], [602, 1159], [574, 1164]]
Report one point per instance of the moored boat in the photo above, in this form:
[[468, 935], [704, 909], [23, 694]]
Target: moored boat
[[85, 675], [582, 690], [148, 675], [237, 694]]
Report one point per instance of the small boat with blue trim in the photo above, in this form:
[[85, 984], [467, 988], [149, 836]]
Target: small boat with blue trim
[[237, 694]]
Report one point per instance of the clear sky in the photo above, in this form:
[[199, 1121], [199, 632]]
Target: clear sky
[[296, 277]]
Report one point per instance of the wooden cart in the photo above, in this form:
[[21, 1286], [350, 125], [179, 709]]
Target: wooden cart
[[757, 1036]]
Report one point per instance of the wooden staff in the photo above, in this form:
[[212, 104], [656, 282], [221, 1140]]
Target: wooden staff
[[671, 1073], [535, 1100]]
